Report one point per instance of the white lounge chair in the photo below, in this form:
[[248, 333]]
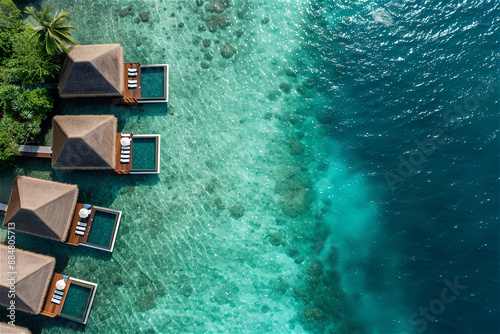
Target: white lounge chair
[[124, 161], [56, 301], [132, 81], [126, 135], [132, 69], [81, 224], [79, 232]]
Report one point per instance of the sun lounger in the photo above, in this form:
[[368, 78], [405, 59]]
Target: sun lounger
[[132, 69], [132, 74], [81, 228], [125, 147], [57, 297], [56, 301], [125, 156], [132, 82], [79, 232], [81, 224], [124, 161], [126, 135], [125, 151], [132, 86], [59, 292]]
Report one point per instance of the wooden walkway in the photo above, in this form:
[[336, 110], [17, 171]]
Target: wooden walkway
[[3, 208], [35, 151], [51, 309], [73, 238]]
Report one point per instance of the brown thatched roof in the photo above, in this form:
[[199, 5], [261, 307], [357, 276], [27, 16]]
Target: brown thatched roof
[[34, 274], [84, 142], [93, 71], [43, 208], [9, 329]]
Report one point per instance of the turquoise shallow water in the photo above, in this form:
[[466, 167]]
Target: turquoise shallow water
[[229, 237], [272, 212]]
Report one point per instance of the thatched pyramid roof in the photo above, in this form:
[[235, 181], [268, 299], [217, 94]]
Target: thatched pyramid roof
[[34, 274], [43, 208], [84, 142], [9, 329], [93, 71]]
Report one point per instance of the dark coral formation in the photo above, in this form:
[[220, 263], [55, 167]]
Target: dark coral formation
[[144, 16], [285, 86], [219, 204], [217, 6], [295, 188], [276, 239], [273, 95], [236, 211], [125, 11], [279, 286], [206, 42], [295, 147], [227, 50], [210, 186], [216, 21]]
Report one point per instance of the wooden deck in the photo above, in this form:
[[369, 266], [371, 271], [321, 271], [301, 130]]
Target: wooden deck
[[132, 94], [50, 309], [75, 239], [120, 167], [35, 151]]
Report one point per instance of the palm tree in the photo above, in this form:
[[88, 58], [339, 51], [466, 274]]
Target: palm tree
[[52, 31]]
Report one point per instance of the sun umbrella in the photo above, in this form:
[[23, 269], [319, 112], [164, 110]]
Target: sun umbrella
[[60, 285], [125, 141], [83, 213]]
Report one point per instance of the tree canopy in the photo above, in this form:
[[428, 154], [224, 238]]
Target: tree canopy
[[52, 30]]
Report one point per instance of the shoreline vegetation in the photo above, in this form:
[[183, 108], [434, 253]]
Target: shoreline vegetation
[[28, 58]]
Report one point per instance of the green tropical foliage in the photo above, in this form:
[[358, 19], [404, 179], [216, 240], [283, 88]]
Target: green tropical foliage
[[10, 25], [28, 107], [9, 140], [29, 63], [26, 60], [52, 30]]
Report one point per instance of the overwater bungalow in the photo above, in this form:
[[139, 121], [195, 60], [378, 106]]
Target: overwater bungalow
[[41, 291], [49, 209], [11, 329], [100, 71], [91, 142]]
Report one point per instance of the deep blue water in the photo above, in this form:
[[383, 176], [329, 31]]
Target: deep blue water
[[413, 72]]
